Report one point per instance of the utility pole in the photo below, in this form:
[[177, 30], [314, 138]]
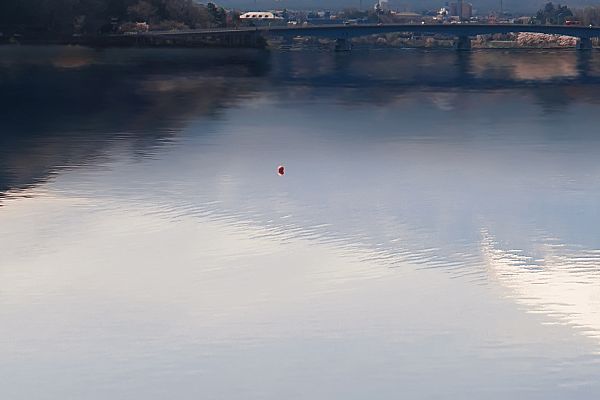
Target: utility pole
[[501, 8], [360, 7], [460, 9]]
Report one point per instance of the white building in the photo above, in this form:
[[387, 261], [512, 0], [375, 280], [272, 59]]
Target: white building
[[259, 18], [259, 15]]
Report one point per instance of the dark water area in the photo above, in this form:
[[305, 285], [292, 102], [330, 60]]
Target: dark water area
[[435, 235]]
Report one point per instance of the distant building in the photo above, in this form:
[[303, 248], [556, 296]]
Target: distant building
[[452, 9], [262, 18], [523, 20], [407, 17], [467, 10], [322, 18], [460, 9]]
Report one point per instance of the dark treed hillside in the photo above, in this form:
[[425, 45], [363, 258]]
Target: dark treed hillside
[[67, 17]]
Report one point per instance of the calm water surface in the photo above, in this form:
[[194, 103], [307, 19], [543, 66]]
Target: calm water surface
[[436, 234]]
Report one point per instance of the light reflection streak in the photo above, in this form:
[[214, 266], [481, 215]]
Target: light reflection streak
[[561, 282]]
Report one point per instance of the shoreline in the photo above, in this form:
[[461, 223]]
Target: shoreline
[[141, 41]]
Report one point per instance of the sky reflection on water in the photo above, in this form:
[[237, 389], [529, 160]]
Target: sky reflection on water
[[435, 233]]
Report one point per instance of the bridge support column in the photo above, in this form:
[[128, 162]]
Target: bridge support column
[[463, 43], [343, 44], [584, 44]]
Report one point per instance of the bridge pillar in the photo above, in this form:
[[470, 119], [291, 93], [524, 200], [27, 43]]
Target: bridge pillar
[[463, 43], [343, 44], [584, 44]]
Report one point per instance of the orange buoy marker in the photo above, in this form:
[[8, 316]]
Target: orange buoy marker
[[281, 170]]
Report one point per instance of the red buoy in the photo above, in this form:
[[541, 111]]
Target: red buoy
[[281, 170]]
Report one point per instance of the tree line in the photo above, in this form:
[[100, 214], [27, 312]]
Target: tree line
[[94, 17], [589, 15], [553, 15], [558, 15]]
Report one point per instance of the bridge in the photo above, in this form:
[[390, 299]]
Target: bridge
[[342, 33]]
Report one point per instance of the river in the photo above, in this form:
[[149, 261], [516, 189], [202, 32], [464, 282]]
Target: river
[[435, 235]]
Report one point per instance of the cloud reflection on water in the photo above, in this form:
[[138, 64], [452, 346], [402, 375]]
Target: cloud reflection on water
[[436, 143], [559, 281]]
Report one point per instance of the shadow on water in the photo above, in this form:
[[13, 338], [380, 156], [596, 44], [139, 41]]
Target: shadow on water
[[60, 106], [63, 106]]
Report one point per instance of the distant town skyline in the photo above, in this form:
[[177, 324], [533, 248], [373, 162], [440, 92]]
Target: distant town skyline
[[412, 5]]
